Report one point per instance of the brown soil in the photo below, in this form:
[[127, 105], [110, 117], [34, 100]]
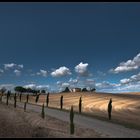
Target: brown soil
[[15, 123]]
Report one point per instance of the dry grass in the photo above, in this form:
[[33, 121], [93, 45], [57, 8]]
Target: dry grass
[[15, 123], [126, 106]]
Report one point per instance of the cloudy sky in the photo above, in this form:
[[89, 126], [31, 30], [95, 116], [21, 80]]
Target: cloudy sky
[[54, 45]]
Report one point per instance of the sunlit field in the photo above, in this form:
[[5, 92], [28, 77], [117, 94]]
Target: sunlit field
[[126, 106]]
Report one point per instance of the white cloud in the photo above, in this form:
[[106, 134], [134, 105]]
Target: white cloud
[[62, 71], [32, 86], [8, 86], [81, 69], [128, 65], [106, 85], [64, 85], [124, 81], [125, 85], [17, 72], [21, 66], [59, 83], [42, 73], [1, 71], [38, 87], [89, 83], [131, 87], [132, 79], [73, 81], [12, 65], [100, 73]]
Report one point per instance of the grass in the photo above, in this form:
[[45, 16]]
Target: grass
[[114, 121]]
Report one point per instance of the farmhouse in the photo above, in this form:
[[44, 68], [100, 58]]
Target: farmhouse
[[76, 90]]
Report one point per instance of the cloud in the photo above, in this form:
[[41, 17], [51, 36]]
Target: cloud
[[130, 87], [20, 66], [128, 65], [106, 85], [8, 86], [17, 72], [132, 79], [42, 73], [59, 83], [81, 69], [100, 73], [62, 71], [76, 83], [125, 81], [73, 81], [1, 71], [131, 84], [12, 66], [64, 85], [89, 83], [32, 86], [38, 87]]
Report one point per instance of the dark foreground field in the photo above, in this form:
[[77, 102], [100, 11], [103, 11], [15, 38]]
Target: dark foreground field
[[15, 123]]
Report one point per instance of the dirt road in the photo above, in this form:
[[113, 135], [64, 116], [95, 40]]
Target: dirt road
[[106, 129]]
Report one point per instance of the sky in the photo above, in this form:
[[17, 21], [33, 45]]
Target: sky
[[56, 45]]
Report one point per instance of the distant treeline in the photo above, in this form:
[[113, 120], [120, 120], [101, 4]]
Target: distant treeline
[[20, 89]]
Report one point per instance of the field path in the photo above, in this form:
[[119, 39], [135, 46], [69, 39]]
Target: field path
[[106, 129]]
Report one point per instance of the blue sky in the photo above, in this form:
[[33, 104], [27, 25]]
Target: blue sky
[[54, 45]]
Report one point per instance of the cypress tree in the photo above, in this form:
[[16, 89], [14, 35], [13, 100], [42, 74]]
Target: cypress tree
[[47, 100], [71, 121], [43, 112], [15, 100], [25, 106], [20, 96], [27, 98], [61, 102], [1, 97], [37, 98], [109, 109], [7, 97], [80, 105]]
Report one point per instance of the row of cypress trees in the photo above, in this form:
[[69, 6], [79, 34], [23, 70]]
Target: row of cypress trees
[[47, 103]]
